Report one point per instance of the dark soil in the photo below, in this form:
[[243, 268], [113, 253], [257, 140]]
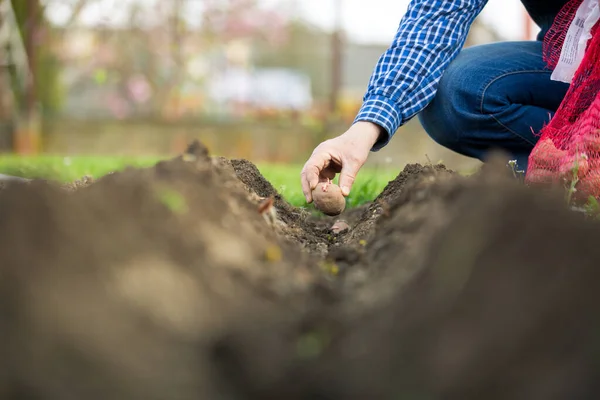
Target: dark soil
[[194, 279], [296, 223]]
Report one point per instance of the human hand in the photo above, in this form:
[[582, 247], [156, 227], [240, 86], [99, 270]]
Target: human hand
[[344, 154]]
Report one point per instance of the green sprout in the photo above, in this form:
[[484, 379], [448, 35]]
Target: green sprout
[[517, 173], [575, 179]]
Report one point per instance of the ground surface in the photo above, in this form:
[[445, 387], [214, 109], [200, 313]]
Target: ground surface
[[181, 281], [285, 178]]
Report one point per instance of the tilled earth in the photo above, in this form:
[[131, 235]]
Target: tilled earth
[[194, 279]]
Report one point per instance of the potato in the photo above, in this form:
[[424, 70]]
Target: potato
[[572, 162], [541, 176], [328, 198], [547, 154], [589, 185], [591, 141]]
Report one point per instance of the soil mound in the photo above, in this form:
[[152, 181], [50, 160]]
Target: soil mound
[[296, 223], [501, 303], [411, 171], [122, 289]]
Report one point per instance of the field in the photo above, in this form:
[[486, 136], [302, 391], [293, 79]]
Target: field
[[194, 278]]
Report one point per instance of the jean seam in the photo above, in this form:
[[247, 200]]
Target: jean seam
[[486, 87], [511, 131]]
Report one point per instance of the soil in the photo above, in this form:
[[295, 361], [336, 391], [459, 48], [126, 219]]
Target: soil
[[195, 279]]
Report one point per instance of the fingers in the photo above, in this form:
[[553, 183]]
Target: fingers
[[306, 188], [348, 176], [327, 173], [311, 172]]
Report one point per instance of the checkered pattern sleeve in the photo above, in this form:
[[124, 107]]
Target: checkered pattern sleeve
[[430, 36]]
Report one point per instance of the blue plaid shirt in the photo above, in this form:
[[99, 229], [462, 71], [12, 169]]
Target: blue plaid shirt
[[405, 79]]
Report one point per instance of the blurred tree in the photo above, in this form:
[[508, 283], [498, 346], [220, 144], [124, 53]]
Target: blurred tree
[[40, 37], [143, 64], [155, 57], [148, 65], [37, 32], [226, 20], [306, 49]]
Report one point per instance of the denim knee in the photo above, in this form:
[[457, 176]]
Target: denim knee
[[454, 107], [432, 121], [493, 96], [441, 117]]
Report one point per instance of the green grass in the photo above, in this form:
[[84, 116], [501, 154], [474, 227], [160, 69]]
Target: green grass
[[285, 178], [68, 169]]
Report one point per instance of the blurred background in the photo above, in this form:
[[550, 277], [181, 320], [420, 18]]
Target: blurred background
[[265, 80]]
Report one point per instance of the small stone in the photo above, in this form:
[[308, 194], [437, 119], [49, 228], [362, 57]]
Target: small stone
[[340, 226]]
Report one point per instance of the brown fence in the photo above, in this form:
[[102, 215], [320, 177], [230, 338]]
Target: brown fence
[[265, 141], [257, 141]]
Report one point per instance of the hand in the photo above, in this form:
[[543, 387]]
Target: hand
[[346, 153]]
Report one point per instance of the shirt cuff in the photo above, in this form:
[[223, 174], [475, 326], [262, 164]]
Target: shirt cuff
[[382, 111]]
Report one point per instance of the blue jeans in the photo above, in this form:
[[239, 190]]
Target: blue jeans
[[494, 96]]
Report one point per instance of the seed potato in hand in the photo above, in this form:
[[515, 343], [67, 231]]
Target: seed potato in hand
[[328, 198]]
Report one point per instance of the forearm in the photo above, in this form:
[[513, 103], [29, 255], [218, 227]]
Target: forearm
[[405, 79]]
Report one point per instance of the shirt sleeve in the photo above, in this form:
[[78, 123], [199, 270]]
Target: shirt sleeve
[[405, 79]]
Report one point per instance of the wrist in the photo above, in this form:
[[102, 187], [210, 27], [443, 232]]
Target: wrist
[[367, 131]]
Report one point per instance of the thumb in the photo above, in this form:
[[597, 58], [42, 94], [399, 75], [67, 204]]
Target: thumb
[[347, 177]]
